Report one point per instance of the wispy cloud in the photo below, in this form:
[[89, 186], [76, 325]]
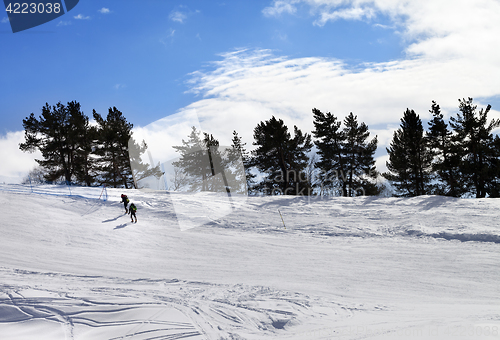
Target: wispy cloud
[[430, 28], [119, 86], [249, 86], [168, 37], [353, 13], [5, 20], [377, 92], [280, 36], [178, 16], [81, 17], [384, 26], [279, 7], [63, 23], [104, 10]]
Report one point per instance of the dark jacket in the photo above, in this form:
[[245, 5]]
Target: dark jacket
[[133, 208]]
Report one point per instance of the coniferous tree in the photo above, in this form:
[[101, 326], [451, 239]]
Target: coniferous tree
[[446, 155], [204, 165], [476, 139], [85, 138], [192, 161], [36, 176], [282, 158], [359, 160], [196, 160], [493, 186], [211, 146], [219, 165], [142, 172], [409, 158], [114, 161], [329, 141], [57, 134], [240, 153]]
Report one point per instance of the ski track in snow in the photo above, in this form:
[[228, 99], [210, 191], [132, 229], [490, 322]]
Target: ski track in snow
[[74, 267], [109, 308]]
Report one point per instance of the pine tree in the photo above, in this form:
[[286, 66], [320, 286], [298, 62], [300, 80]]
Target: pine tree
[[195, 161], [329, 141], [359, 160], [282, 158], [409, 158], [57, 133], [446, 155], [476, 139], [493, 186], [142, 171], [220, 174], [36, 175], [240, 154], [114, 161], [85, 138]]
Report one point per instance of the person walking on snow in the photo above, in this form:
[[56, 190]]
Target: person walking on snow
[[125, 201], [132, 210]]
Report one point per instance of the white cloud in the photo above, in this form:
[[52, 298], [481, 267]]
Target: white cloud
[[119, 86], [279, 7], [63, 23], [379, 91], [249, 86], [15, 163], [81, 17], [354, 13], [178, 16], [5, 20], [384, 26], [104, 10], [162, 134], [280, 36], [168, 37], [441, 28]]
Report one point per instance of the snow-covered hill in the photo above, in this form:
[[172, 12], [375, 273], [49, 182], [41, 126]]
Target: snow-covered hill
[[74, 267]]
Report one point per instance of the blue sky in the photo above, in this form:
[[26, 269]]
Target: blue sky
[[139, 55], [235, 63]]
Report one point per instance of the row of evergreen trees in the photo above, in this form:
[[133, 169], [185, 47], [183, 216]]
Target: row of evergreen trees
[[204, 165], [346, 163], [460, 158], [74, 151]]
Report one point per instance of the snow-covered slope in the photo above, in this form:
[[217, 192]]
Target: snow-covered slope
[[74, 267]]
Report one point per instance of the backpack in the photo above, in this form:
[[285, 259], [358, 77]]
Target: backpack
[[133, 207]]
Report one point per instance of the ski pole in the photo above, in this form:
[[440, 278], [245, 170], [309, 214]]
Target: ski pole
[[282, 219]]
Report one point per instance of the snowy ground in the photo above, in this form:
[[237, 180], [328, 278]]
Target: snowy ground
[[74, 267]]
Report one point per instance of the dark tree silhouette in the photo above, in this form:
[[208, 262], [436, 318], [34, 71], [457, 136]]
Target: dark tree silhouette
[[282, 158], [476, 139], [409, 158], [62, 135], [446, 153], [329, 141], [114, 162]]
